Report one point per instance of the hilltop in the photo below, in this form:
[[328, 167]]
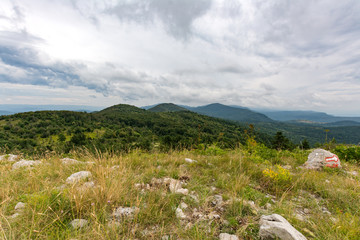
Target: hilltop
[[167, 107]]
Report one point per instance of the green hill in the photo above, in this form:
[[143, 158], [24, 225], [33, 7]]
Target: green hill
[[118, 128], [231, 113], [167, 107]]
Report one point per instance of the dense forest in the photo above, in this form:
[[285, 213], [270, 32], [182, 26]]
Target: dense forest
[[118, 128]]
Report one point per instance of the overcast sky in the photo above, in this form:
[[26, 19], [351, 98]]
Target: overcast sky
[[275, 54]]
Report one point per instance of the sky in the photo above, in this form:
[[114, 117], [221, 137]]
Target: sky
[[273, 54]]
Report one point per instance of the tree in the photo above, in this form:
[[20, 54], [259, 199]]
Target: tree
[[280, 142], [305, 144], [62, 137]]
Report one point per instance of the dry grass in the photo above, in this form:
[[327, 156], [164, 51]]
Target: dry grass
[[236, 175]]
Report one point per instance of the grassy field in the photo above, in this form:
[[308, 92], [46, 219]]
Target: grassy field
[[228, 191]]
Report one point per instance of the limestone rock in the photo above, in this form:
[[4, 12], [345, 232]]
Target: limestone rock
[[189, 160], [77, 177], [125, 212], [320, 158], [79, 223], [20, 206], [70, 161], [275, 226], [25, 163], [12, 157], [226, 236], [180, 214]]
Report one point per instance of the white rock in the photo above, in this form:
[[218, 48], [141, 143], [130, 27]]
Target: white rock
[[217, 200], [15, 215], [320, 158], [183, 191], [189, 160], [183, 205], [70, 161], [77, 177], [20, 206], [127, 212], [275, 226], [165, 237], [2, 157], [12, 157], [174, 185], [226, 236], [213, 215], [25, 163], [180, 214], [79, 223]]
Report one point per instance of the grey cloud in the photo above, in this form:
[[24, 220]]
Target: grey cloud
[[234, 70], [176, 16]]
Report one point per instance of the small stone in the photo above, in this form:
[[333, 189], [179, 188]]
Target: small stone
[[69, 161], [288, 167], [306, 211], [268, 205], [189, 160], [226, 236], [183, 206], [77, 177], [25, 163], [20, 206], [127, 212], [213, 215], [174, 185], [180, 214], [183, 191], [165, 237], [78, 223], [217, 200]]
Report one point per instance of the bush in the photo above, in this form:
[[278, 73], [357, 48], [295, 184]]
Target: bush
[[348, 153]]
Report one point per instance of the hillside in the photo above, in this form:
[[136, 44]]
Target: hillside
[[167, 107], [231, 113], [163, 196], [312, 116], [118, 128]]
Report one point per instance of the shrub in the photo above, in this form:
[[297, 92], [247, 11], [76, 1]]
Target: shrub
[[348, 153]]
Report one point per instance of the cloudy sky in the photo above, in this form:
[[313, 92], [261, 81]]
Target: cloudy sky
[[275, 54]]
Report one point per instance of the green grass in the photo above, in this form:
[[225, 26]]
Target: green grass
[[236, 175]]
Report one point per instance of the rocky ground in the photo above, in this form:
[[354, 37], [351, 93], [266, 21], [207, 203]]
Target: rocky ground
[[252, 193]]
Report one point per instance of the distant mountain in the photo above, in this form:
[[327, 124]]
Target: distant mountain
[[318, 117], [231, 113], [167, 107], [19, 108]]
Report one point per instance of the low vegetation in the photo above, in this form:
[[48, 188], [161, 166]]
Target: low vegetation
[[231, 189]]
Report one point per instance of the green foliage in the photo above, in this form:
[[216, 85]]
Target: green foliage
[[280, 142], [350, 153], [118, 128]]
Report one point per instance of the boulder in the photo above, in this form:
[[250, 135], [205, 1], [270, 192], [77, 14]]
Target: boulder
[[320, 158], [78, 223], [25, 163], [275, 226], [77, 177], [69, 161], [226, 236]]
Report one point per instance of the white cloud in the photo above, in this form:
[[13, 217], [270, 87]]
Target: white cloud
[[277, 54]]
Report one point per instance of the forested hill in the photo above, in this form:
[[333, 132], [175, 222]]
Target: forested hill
[[231, 113], [120, 127]]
